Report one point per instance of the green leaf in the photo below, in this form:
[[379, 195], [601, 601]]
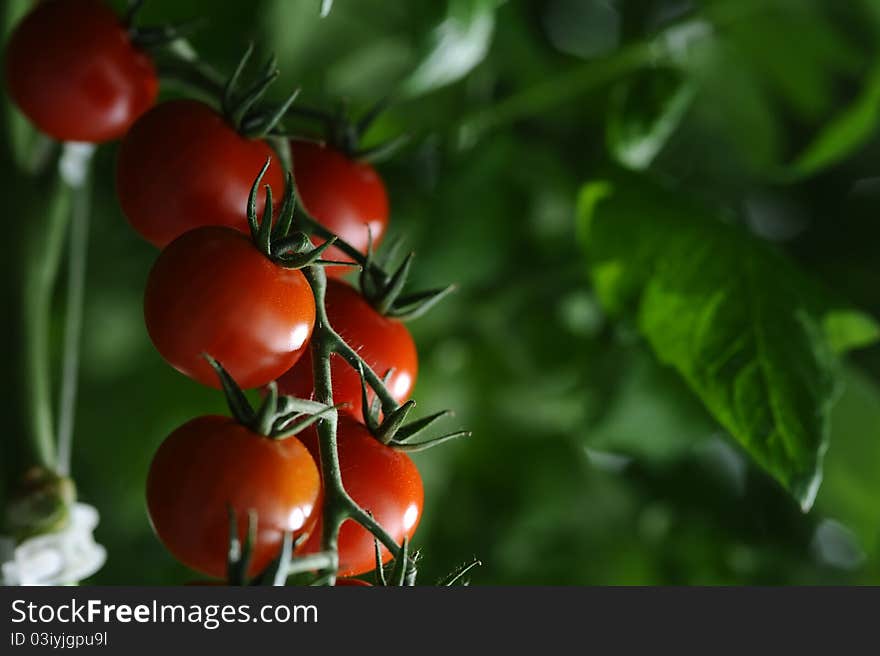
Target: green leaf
[[758, 80], [743, 327], [644, 112], [848, 329], [458, 44], [845, 133]]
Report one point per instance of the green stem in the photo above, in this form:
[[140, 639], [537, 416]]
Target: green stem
[[313, 227], [44, 249], [389, 404], [78, 245], [338, 505], [310, 562], [334, 492], [183, 66]]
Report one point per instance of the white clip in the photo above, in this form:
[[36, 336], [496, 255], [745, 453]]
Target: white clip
[[59, 558]]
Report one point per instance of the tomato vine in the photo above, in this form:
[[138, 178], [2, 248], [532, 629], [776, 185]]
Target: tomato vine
[[297, 240]]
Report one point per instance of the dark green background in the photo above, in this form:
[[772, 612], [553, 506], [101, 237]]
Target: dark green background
[[590, 463]]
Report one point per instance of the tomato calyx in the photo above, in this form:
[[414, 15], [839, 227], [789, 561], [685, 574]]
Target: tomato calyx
[[240, 554], [457, 576], [345, 134], [393, 430], [240, 102], [276, 573], [403, 567], [383, 290], [289, 248], [278, 417]]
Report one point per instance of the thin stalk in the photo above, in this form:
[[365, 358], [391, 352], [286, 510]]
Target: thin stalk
[[373, 380], [44, 246], [338, 505], [183, 66], [79, 184], [310, 562], [313, 227], [331, 474]]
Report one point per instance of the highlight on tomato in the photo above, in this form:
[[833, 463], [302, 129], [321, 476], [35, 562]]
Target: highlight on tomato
[[383, 481], [212, 291], [72, 69], [383, 342], [213, 463]]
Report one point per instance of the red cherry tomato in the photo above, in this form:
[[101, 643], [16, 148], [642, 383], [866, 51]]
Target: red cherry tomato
[[381, 480], [345, 196], [213, 462], [183, 166], [74, 72], [382, 342], [211, 291]]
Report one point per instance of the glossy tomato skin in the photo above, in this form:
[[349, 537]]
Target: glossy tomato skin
[[183, 166], [382, 342], [212, 462], [211, 291], [73, 71], [381, 480], [346, 196]]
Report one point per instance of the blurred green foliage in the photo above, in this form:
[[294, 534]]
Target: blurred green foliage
[[592, 462]]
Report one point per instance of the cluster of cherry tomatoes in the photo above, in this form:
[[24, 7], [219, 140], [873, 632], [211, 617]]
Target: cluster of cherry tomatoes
[[184, 181]]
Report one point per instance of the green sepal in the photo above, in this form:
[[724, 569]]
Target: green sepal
[[239, 555], [412, 571], [238, 403], [369, 409], [252, 203], [291, 251], [290, 405], [428, 444], [415, 305], [380, 568], [276, 572], [240, 104], [266, 414], [297, 242], [392, 290], [229, 91], [264, 233], [261, 124], [334, 263], [285, 214], [276, 414], [300, 260], [410, 430], [456, 575], [291, 430], [268, 74], [401, 563], [393, 422]]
